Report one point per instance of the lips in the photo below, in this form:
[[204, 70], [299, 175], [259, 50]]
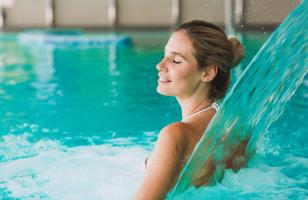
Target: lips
[[163, 80]]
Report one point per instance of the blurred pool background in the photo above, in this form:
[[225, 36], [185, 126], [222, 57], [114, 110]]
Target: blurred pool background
[[77, 123]]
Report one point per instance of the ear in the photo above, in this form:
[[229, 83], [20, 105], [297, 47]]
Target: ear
[[209, 73]]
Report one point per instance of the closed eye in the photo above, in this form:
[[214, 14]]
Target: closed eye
[[176, 62], [171, 59]]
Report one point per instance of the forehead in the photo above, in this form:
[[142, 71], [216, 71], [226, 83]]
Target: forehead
[[180, 42]]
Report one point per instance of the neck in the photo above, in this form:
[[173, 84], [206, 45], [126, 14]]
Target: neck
[[193, 104]]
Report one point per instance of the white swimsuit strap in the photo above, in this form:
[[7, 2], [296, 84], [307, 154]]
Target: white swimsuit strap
[[214, 105]]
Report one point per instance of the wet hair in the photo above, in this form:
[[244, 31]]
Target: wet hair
[[212, 47]]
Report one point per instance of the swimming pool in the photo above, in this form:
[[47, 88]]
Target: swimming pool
[[77, 123]]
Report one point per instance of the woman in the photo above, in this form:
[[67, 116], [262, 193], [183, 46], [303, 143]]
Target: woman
[[196, 70]]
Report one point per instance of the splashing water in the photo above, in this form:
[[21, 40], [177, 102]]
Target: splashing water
[[256, 100]]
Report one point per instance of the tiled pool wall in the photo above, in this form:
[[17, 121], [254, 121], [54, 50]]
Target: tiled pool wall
[[16, 14]]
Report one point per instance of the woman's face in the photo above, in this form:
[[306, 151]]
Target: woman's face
[[179, 74]]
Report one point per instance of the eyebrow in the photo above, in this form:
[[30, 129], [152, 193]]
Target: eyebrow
[[178, 54]]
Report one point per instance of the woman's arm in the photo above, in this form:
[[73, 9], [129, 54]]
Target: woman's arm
[[163, 164], [235, 160], [238, 159]]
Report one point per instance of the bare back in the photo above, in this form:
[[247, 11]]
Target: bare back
[[194, 129]]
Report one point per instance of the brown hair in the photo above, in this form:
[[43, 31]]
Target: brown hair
[[212, 47]]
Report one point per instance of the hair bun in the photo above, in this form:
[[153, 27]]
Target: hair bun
[[237, 51]]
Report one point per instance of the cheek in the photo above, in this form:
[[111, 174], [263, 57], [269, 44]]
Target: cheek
[[187, 80], [183, 77], [183, 82], [183, 85], [180, 74]]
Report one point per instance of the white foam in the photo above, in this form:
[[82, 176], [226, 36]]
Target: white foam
[[248, 183], [87, 172]]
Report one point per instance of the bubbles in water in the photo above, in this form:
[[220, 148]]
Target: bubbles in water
[[58, 172]]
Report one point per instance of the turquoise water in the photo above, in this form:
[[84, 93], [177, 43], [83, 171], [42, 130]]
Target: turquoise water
[[254, 103], [77, 123]]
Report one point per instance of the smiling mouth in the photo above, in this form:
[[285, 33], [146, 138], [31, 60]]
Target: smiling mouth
[[163, 80]]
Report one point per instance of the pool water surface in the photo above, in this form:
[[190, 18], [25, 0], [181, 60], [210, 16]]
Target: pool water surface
[[77, 123]]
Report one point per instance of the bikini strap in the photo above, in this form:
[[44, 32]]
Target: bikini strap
[[215, 106]]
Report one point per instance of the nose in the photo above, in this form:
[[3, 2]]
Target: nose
[[161, 66]]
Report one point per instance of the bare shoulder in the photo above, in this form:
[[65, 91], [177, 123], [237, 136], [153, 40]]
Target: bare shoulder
[[176, 134]]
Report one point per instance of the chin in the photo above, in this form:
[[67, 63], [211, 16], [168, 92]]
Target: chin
[[164, 92]]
